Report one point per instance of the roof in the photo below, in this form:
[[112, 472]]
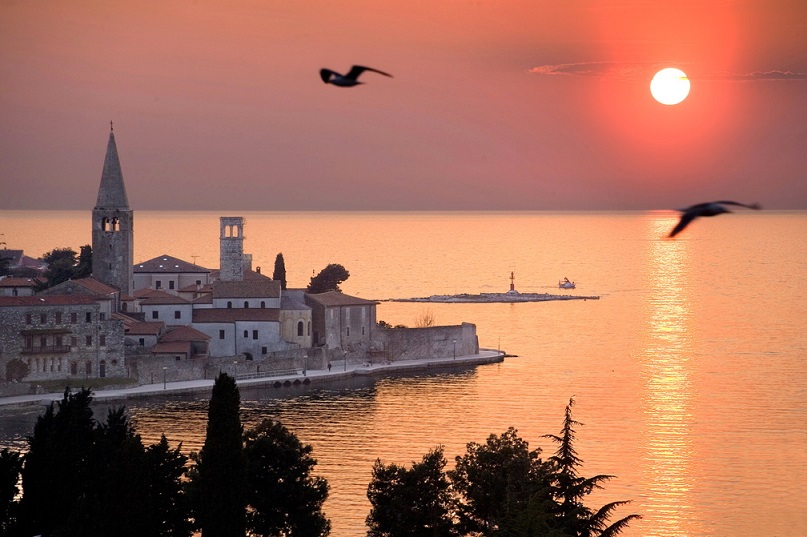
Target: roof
[[168, 264], [10, 281], [335, 298], [172, 347], [86, 285], [14, 255], [145, 328], [231, 315], [184, 333], [289, 303], [112, 192], [206, 298], [194, 288], [161, 297], [249, 274], [247, 289], [47, 300]]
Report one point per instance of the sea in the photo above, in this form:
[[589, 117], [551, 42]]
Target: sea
[[688, 373]]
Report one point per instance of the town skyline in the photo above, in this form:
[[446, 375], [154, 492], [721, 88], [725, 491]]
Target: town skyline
[[510, 105]]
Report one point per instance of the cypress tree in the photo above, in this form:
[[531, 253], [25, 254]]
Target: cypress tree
[[280, 270], [220, 483]]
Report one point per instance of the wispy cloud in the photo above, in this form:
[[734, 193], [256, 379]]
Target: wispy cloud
[[627, 70]]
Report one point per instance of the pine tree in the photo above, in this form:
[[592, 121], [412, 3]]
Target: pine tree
[[219, 479], [569, 489]]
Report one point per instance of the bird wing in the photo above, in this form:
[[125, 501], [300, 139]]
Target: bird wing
[[686, 218], [755, 206], [356, 70], [326, 74]]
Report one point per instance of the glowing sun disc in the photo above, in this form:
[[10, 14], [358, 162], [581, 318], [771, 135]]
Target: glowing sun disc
[[670, 86]]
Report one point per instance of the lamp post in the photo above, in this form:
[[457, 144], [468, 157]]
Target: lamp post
[[454, 341], [165, 375]]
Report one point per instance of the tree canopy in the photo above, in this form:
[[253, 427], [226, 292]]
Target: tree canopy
[[328, 279], [280, 270]]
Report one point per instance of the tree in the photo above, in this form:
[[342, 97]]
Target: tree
[[169, 503], [411, 503], [497, 481], [57, 463], [328, 279], [83, 268], [569, 489], [5, 265], [10, 467], [61, 265], [280, 270], [425, 319], [219, 481], [284, 498]]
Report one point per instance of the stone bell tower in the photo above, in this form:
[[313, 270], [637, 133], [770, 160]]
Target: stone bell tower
[[113, 226], [231, 249]]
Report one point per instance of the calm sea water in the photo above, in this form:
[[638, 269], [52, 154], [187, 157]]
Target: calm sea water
[[689, 374]]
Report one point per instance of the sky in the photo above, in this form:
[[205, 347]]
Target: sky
[[492, 104]]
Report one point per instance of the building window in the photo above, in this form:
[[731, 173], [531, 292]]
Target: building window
[[58, 316], [309, 328], [221, 334], [254, 334], [88, 317], [155, 314], [73, 341], [177, 314], [263, 304], [28, 318], [88, 340], [88, 368], [43, 318], [171, 284], [246, 333], [158, 284], [102, 340], [246, 304], [58, 341], [263, 350], [362, 330], [29, 342], [198, 282], [101, 316], [43, 341], [348, 330], [124, 306], [229, 304], [300, 328], [73, 317], [74, 368], [142, 342]]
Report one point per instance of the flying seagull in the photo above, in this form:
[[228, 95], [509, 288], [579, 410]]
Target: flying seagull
[[348, 80], [712, 208]]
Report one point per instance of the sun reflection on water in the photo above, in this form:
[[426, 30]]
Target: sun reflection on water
[[664, 356]]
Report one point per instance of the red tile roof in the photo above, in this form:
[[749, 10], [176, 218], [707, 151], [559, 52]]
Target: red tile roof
[[145, 328], [247, 289], [10, 281], [184, 333], [172, 347]]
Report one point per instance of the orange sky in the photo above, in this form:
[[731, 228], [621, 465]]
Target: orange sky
[[494, 104]]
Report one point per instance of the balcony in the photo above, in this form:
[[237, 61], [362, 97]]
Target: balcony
[[48, 349]]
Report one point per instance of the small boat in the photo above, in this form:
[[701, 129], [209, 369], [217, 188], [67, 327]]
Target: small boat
[[566, 284]]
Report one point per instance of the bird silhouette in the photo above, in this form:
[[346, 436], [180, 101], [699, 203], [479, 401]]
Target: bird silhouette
[[348, 80], [712, 208]]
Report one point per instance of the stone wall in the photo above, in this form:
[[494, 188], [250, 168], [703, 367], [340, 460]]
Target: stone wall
[[418, 343]]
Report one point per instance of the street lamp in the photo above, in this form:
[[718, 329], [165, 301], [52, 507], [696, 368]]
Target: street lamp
[[455, 348], [165, 373]]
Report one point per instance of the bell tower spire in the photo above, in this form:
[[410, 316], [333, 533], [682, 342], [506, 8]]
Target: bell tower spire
[[113, 225]]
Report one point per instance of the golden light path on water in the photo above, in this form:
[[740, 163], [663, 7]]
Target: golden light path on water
[[666, 401]]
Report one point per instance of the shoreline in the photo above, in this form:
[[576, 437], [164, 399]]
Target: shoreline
[[492, 298], [311, 377]]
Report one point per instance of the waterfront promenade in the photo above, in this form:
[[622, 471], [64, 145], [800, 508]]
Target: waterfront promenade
[[315, 377]]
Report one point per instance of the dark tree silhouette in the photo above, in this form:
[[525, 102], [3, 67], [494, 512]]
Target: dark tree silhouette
[[10, 467], [284, 498], [328, 279], [414, 502], [61, 265], [569, 489], [496, 481], [83, 268], [280, 270], [169, 504], [219, 479]]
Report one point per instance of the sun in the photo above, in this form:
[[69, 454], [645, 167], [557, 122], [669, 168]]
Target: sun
[[670, 86]]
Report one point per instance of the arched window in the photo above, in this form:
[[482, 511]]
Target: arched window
[[263, 304], [300, 328], [229, 304], [246, 333], [246, 304], [309, 328]]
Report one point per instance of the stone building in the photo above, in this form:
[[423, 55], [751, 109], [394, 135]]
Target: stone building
[[342, 321], [58, 336], [169, 274]]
